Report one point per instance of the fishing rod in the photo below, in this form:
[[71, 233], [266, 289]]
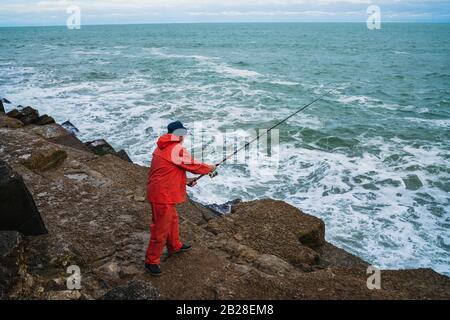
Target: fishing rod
[[214, 173]]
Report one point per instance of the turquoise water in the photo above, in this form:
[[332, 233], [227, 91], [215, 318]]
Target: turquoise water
[[372, 159]]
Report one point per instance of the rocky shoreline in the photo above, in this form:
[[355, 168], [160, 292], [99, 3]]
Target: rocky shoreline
[[91, 200]]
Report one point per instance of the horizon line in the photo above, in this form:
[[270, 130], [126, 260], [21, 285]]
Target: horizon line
[[218, 22]]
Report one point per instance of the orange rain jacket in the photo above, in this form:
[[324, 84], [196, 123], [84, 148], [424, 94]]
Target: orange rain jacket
[[167, 176]]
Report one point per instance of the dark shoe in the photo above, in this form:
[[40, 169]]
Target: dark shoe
[[154, 269], [184, 248]]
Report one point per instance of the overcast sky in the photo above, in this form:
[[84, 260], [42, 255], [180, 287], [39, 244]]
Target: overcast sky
[[53, 12]]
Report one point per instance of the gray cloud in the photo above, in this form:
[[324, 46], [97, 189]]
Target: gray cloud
[[28, 12]]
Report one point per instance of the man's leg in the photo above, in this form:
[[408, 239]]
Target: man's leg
[[160, 228], [173, 239]]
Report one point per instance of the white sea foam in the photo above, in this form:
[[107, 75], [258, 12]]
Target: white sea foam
[[285, 83], [236, 72], [360, 99], [211, 62], [400, 52], [436, 122], [160, 52]]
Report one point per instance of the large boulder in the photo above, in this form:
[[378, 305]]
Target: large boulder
[[14, 113], [45, 120], [17, 208], [27, 115], [58, 134], [69, 126], [122, 154], [30, 115], [224, 208], [101, 147], [7, 122], [45, 160], [274, 228]]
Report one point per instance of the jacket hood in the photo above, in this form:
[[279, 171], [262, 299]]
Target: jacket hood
[[167, 140]]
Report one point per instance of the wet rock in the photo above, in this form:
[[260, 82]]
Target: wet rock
[[412, 182], [17, 207], [5, 100], [134, 290], [45, 120], [124, 156], [45, 160], [101, 147], [16, 114], [29, 116], [223, 208], [70, 127], [2, 108], [7, 122], [70, 140]]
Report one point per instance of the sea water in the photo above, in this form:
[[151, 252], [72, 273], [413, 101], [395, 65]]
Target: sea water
[[372, 159]]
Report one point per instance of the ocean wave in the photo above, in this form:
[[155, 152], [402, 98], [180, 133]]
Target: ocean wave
[[359, 99], [161, 53], [400, 52], [223, 69], [211, 62], [285, 83]]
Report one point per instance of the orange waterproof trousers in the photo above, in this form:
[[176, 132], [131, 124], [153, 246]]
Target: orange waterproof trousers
[[164, 230]]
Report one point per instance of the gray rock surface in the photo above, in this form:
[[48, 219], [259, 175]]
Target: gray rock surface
[[134, 290]]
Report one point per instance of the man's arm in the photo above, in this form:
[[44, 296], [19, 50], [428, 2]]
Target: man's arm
[[188, 163]]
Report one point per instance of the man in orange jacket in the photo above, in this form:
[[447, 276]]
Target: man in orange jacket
[[166, 187]]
